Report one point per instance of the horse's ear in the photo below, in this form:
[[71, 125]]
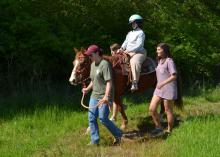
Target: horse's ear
[[75, 50], [82, 49]]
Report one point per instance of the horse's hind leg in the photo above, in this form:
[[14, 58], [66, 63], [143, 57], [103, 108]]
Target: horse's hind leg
[[122, 111], [114, 111]]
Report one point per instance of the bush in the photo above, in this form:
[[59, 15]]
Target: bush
[[37, 37]]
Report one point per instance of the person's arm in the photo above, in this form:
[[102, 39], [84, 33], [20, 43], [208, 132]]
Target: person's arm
[[107, 75], [88, 88], [170, 79], [173, 74], [124, 45], [108, 89], [105, 99]]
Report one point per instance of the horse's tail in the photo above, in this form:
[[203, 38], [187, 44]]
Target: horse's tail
[[179, 101]]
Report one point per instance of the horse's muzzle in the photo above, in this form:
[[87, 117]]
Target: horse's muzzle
[[73, 82]]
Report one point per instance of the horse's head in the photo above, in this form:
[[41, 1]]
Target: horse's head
[[81, 68]]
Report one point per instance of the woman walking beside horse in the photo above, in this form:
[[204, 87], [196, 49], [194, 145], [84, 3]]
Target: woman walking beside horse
[[166, 89], [102, 94]]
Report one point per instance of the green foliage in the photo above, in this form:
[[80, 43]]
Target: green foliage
[[37, 37]]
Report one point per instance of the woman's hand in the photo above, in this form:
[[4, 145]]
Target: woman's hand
[[170, 79], [85, 90], [88, 88], [104, 100], [159, 85]]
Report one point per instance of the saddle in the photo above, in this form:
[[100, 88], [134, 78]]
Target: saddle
[[121, 62], [148, 66]]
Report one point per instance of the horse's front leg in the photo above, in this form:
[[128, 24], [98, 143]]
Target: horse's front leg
[[121, 109]]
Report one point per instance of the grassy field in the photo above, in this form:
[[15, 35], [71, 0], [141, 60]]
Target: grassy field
[[48, 125]]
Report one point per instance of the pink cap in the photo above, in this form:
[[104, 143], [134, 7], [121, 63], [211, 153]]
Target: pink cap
[[92, 49]]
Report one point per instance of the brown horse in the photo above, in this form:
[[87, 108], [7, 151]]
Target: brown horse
[[81, 71]]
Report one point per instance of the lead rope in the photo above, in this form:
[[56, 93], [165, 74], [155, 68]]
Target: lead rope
[[97, 105], [85, 105]]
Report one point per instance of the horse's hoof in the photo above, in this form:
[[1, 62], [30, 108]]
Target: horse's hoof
[[113, 119]]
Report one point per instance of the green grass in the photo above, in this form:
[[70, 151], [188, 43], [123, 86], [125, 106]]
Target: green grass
[[213, 95], [197, 136], [25, 134], [192, 96], [32, 127]]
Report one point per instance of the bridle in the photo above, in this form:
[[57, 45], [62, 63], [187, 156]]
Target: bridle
[[81, 71]]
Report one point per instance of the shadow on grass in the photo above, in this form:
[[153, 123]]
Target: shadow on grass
[[145, 126], [26, 101], [138, 98]]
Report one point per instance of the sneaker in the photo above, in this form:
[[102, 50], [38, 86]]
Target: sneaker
[[157, 132], [134, 86], [117, 141]]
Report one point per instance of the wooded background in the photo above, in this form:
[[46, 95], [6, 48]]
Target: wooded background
[[37, 36]]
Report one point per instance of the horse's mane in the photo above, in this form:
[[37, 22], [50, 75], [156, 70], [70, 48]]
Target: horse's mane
[[110, 59]]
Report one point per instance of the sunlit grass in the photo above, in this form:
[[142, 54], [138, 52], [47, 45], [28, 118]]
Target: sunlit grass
[[197, 136], [57, 129], [25, 134]]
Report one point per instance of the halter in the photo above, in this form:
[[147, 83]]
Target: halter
[[81, 71]]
